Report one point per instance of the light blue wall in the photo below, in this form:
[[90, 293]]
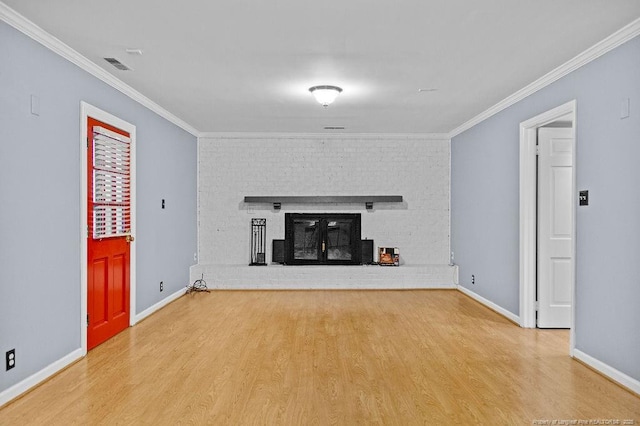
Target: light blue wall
[[485, 206], [40, 202]]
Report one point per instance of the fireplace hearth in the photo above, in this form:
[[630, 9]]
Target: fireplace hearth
[[322, 239]]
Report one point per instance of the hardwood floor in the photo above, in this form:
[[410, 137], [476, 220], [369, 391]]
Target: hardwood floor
[[326, 357]]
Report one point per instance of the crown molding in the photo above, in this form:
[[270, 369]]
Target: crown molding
[[284, 135], [30, 29], [616, 39]]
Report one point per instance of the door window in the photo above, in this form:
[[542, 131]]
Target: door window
[[111, 184]]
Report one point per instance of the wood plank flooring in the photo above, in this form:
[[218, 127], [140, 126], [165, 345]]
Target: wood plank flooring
[[322, 358]]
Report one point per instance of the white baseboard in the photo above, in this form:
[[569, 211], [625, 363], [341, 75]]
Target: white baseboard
[[489, 304], [36, 378], [161, 304], [615, 375]]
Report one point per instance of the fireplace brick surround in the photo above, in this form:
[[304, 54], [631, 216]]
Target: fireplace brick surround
[[232, 167]]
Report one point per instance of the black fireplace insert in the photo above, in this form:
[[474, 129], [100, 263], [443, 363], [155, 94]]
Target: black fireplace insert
[[322, 239]]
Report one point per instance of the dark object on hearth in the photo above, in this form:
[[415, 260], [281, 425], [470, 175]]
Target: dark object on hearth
[[277, 252], [198, 286], [258, 242], [367, 252], [389, 256]]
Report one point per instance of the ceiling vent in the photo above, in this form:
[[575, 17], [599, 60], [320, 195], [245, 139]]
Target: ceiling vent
[[334, 127], [116, 63]]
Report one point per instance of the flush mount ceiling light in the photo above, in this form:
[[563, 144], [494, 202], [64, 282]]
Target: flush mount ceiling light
[[325, 94]]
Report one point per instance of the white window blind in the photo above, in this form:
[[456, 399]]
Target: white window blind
[[111, 184]]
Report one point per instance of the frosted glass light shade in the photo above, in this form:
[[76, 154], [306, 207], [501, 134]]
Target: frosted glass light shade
[[325, 94]]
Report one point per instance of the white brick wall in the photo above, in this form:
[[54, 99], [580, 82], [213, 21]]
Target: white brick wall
[[232, 168], [279, 277]]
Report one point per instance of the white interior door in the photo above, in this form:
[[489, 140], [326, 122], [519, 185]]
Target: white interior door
[[555, 227]]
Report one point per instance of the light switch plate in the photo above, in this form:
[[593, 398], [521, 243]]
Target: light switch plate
[[584, 198], [625, 108], [35, 105]]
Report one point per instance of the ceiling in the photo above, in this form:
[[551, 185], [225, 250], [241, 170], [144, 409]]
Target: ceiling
[[246, 66]]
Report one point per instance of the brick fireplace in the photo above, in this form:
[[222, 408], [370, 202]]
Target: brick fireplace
[[308, 169]]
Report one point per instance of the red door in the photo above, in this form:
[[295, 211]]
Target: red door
[[109, 233]]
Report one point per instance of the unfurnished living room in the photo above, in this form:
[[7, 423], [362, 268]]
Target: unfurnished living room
[[291, 213]]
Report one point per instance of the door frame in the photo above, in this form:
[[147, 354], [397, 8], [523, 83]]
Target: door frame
[[86, 111], [528, 213]]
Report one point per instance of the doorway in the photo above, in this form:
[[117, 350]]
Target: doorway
[[530, 220], [555, 224], [107, 225]]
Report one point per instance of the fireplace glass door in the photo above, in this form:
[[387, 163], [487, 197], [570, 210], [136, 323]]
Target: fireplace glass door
[[306, 239], [322, 239]]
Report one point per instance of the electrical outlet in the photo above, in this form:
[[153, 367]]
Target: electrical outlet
[[161, 286], [473, 279], [11, 359]]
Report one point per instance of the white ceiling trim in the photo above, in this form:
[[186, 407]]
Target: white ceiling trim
[[27, 27], [367, 136], [614, 40]]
